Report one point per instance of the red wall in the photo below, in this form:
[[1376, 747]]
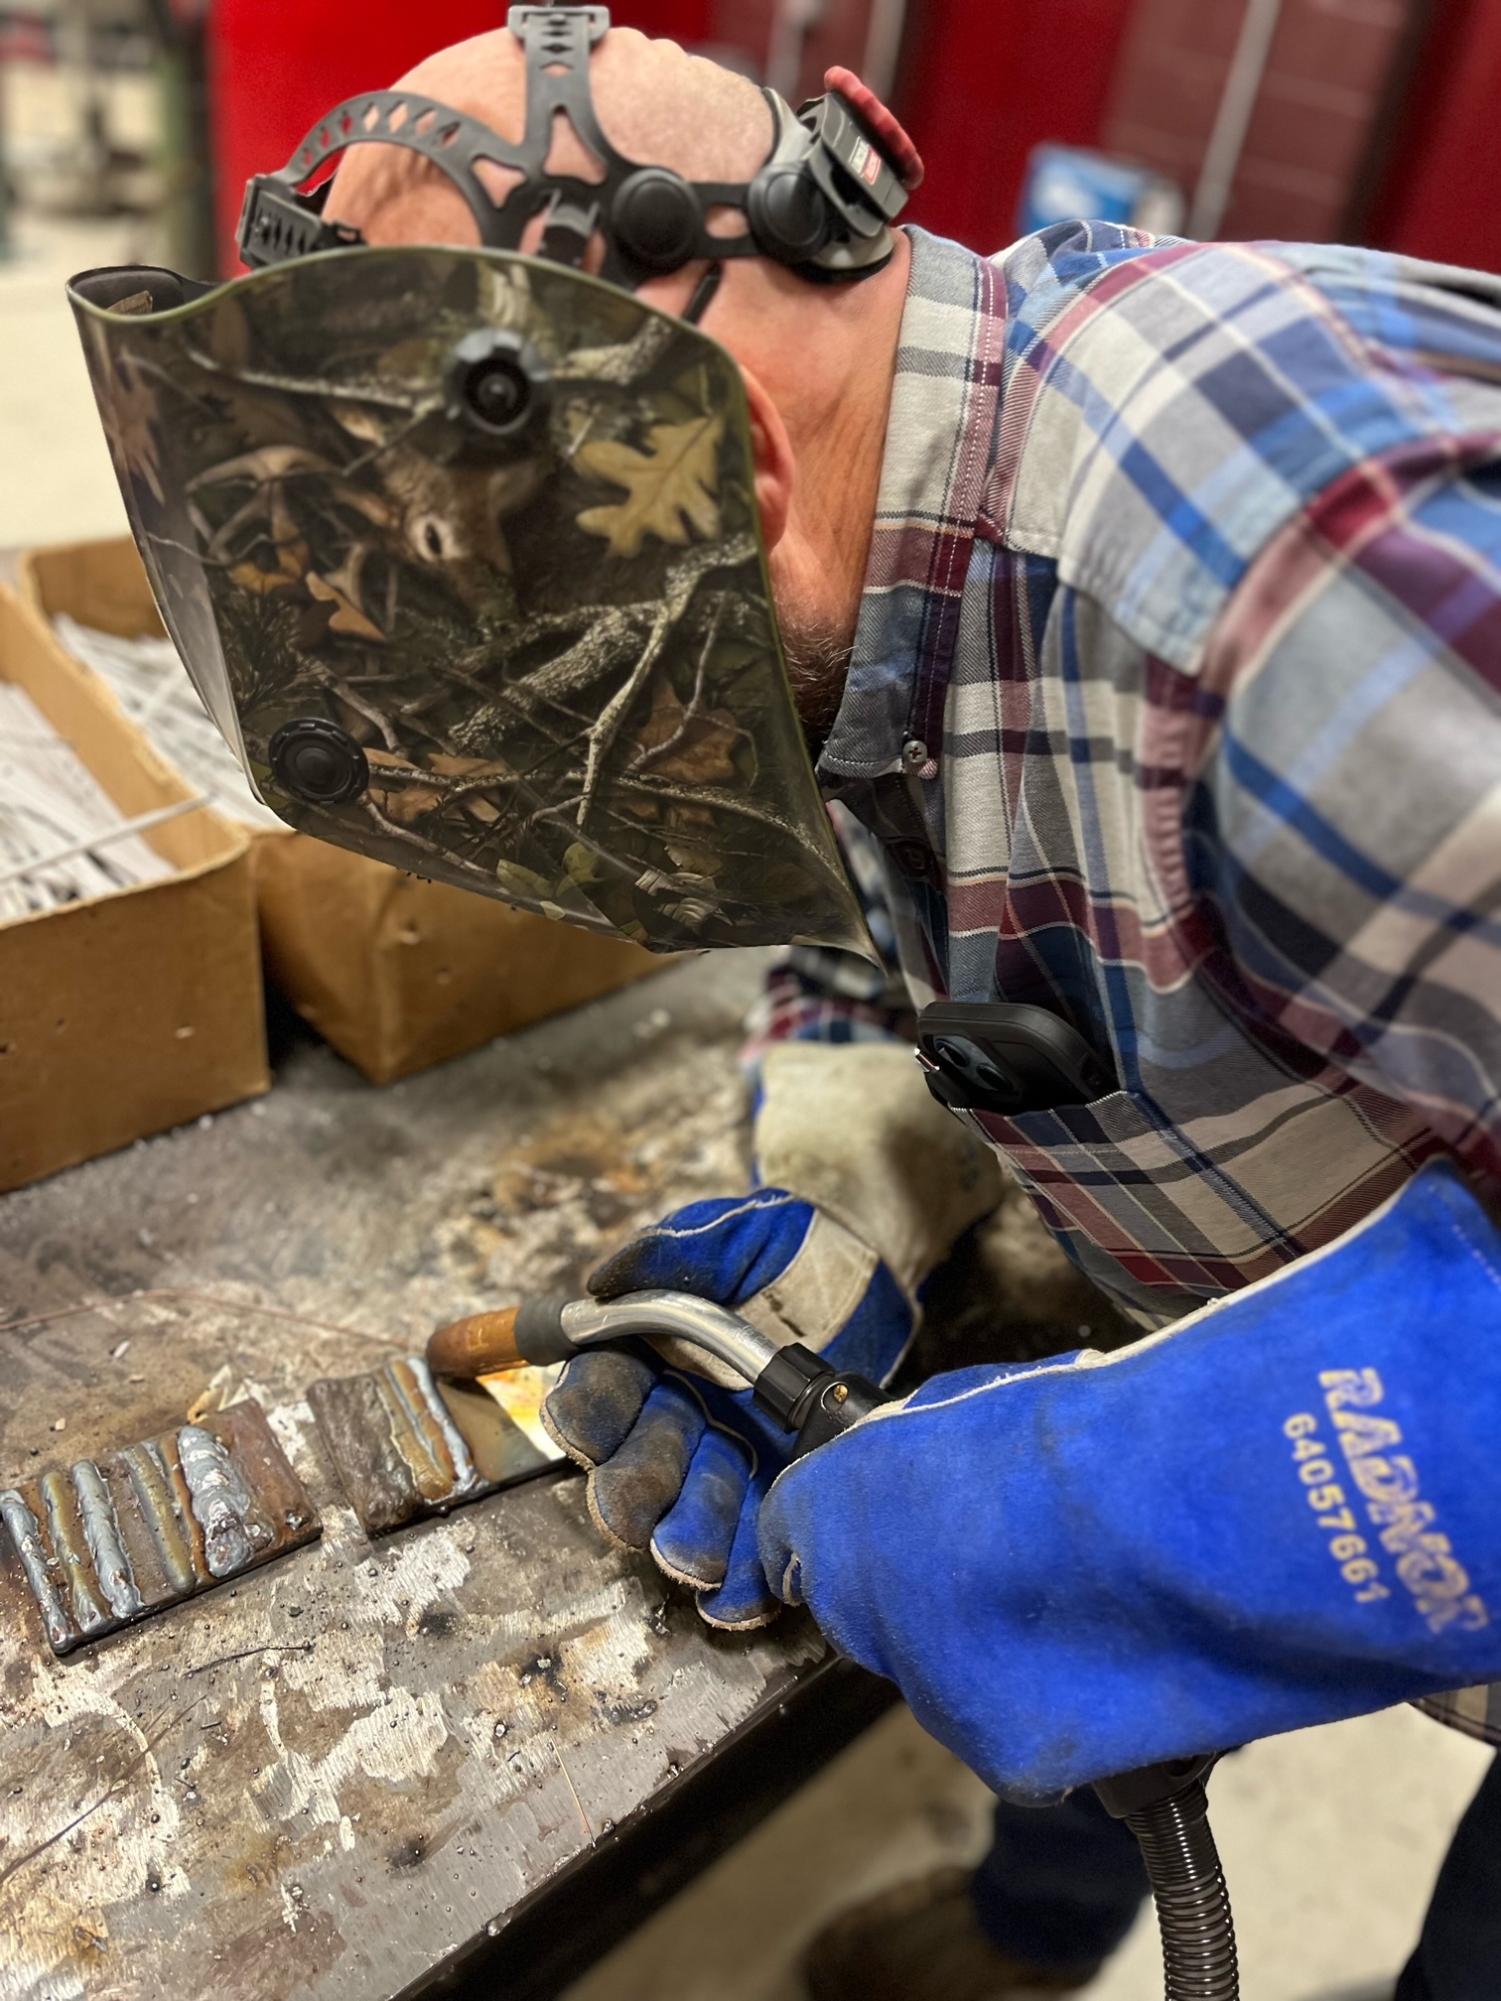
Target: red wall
[[1441, 194], [1000, 78]]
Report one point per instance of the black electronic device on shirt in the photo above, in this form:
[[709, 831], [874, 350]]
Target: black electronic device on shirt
[[1003, 1056]]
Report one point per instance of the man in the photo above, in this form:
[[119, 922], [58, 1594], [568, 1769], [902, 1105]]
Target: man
[[1143, 606]]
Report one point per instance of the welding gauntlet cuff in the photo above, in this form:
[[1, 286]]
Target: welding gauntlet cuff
[[1280, 1512]]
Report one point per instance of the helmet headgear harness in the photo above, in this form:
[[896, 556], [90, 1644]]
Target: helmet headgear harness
[[838, 174]]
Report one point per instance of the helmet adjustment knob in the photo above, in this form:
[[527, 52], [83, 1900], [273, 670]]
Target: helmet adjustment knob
[[787, 214], [497, 383], [315, 761], [655, 217]]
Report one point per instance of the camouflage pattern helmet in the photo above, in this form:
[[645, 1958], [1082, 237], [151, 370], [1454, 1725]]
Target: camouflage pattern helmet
[[460, 547]]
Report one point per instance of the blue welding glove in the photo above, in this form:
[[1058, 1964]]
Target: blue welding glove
[[1280, 1512], [872, 1186]]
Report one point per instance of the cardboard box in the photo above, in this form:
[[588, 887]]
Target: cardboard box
[[396, 972], [141, 1009]]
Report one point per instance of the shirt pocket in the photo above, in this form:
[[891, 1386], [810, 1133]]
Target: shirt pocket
[[1102, 1176], [1117, 1120], [1164, 1213]]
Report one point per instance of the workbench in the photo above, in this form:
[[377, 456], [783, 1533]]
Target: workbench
[[463, 1758]]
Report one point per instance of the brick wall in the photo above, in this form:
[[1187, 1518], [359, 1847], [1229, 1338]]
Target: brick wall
[[1320, 111], [837, 36]]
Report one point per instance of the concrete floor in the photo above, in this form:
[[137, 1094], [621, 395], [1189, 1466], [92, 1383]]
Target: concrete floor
[[1331, 1838]]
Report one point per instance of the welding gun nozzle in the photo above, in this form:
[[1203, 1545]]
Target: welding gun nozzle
[[485, 1343], [477, 1346]]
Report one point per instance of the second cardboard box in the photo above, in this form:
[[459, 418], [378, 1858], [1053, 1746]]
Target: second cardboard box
[[396, 972]]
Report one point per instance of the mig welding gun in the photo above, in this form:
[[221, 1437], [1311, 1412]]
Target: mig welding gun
[[1164, 1805]]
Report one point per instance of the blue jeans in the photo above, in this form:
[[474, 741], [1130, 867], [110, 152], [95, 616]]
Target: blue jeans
[[1061, 1887]]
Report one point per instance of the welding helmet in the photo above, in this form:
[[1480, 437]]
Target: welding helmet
[[460, 547]]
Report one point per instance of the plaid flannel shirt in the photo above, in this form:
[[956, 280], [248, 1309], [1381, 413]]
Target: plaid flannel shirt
[[1175, 708]]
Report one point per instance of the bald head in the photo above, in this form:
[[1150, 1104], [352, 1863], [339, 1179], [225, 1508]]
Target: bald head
[[816, 360], [654, 102]]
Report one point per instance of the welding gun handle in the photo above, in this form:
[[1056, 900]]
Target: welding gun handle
[[1130, 1793], [804, 1395], [839, 1404]]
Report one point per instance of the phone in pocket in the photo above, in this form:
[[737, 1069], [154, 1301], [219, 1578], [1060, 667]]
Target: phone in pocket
[[1006, 1057]]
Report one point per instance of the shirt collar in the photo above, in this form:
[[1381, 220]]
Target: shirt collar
[[939, 449]]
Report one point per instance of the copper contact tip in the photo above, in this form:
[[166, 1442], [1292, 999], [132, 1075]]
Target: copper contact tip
[[477, 1346]]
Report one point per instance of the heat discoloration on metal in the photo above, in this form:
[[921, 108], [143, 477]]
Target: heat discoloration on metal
[[400, 1454], [26, 1535], [435, 1455], [54, 1508], [501, 1419], [156, 1516], [102, 1534], [104, 1543], [327, 1779], [221, 1503]]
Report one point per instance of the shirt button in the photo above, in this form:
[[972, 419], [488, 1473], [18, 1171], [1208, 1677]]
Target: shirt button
[[914, 753], [913, 859]]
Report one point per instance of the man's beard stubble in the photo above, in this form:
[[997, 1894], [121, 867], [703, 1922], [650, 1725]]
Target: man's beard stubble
[[818, 658]]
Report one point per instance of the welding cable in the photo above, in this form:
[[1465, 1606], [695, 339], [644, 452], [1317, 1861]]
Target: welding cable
[[1188, 1888]]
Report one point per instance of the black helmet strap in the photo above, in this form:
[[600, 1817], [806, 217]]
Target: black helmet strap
[[822, 202]]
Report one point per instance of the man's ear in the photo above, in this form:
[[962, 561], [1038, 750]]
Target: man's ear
[[774, 460]]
